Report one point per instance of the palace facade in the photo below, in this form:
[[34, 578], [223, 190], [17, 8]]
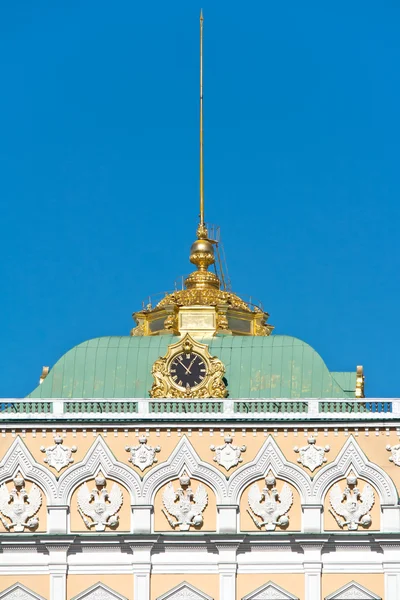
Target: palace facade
[[201, 457]]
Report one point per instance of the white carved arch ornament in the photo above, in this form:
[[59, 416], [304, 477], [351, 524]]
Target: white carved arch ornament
[[185, 591], [98, 458], [269, 458], [352, 591], [99, 591], [19, 592], [351, 459], [270, 591], [18, 460], [184, 460]]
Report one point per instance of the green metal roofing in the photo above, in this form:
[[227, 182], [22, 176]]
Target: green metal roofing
[[277, 366]]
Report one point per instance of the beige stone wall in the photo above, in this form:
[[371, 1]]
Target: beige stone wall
[[372, 442], [121, 583], [209, 584]]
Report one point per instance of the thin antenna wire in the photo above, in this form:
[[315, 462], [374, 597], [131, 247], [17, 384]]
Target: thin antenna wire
[[201, 124]]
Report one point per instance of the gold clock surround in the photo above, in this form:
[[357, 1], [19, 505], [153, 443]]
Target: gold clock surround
[[212, 385]]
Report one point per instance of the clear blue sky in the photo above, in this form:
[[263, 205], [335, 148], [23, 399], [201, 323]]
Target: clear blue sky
[[99, 170]]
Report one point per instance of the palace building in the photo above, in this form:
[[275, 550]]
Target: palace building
[[201, 457]]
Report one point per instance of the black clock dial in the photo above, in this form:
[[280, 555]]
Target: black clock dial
[[188, 369]]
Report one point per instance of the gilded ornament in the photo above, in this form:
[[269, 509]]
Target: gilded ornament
[[138, 330], [171, 322], [209, 384]]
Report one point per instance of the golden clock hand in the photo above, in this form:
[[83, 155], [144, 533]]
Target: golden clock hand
[[181, 363], [189, 367]]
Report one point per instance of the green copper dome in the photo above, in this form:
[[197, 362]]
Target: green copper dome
[[276, 366]]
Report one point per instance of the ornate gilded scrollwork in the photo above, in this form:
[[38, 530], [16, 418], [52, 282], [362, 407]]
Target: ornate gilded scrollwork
[[208, 384]]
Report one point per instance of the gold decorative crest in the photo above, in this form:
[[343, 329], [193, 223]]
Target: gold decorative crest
[[212, 384]]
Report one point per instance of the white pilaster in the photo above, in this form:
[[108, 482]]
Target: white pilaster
[[390, 518], [227, 518], [58, 570], [141, 518], [227, 567], [391, 569], [392, 584], [57, 519], [141, 568], [312, 518], [312, 565]]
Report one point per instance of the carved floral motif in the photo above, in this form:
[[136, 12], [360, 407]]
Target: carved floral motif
[[228, 455], [58, 456]]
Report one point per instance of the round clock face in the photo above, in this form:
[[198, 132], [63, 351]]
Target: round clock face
[[187, 370]]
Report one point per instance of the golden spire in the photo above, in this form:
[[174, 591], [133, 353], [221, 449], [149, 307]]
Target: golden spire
[[202, 251], [201, 230]]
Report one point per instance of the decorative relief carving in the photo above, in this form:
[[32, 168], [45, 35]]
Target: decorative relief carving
[[353, 591], [352, 504], [395, 450], [228, 455], [100, 505], [311, 456], [142, 456], [184, 591], [269, 504], [19, 592], [184, 504], [99, 591], [19, 506], [270, 591], [58, 456], [208, 383]]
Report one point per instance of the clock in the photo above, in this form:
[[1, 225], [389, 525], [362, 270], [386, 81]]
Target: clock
[[188, 371]]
